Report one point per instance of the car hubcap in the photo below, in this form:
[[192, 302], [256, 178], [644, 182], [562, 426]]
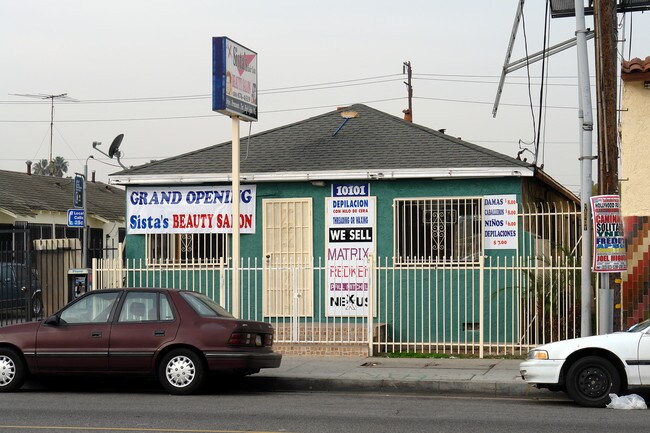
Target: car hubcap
[[180, 371], [593, 382], [7, 370]]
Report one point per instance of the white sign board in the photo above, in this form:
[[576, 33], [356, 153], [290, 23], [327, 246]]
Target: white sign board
[[500, 222], [350, 235]]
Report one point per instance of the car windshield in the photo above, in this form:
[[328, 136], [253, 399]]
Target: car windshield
[[640, 327], [204, 306]]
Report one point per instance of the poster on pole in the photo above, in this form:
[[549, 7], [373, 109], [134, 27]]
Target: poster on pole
[[350, 236], [609, 239], [500, 221], [188, 209]]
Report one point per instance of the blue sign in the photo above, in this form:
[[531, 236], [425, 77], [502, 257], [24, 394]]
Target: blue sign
[[78, 197], [350, 190], [76, 218]]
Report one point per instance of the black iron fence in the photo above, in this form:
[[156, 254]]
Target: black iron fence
[[38, 277]]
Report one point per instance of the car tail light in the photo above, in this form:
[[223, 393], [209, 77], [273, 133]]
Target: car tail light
[[240, 339], [248, 339]]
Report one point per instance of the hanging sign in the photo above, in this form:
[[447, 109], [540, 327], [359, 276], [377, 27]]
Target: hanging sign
[[609, 240]]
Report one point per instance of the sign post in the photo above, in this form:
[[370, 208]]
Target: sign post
[[234, 93]]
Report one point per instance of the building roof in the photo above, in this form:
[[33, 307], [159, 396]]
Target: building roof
[[25, 194], [636, 69], [356, 142]]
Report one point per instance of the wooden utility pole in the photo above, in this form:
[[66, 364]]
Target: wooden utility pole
[[408, 113], [605, 23], [606, 73]]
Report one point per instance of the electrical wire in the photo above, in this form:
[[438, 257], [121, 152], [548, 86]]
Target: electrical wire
[[530, 96], [541, 87]]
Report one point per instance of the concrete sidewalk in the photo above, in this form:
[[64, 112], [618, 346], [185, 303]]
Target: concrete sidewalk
[[489, 377]]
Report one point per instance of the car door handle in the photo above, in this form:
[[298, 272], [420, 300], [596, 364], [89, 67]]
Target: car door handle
[[96, 334], [159, 333]]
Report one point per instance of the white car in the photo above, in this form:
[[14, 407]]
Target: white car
[[591, 368]]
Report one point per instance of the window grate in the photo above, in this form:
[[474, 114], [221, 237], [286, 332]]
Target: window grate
[[435, 230]]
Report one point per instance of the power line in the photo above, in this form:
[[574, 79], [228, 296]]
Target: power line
[[284, 110], [309, 87]]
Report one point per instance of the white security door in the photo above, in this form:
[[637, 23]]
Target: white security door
[[288, 249]]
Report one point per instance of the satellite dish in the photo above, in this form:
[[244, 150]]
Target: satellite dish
[[115, 146]]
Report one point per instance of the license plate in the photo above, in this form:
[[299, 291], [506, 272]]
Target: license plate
[[258, 340]]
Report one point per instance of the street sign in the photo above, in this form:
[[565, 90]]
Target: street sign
[[76, 218], [78, 197]]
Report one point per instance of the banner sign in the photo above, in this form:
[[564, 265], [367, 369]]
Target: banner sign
[[234, 79], [609, 239], [188, 209], [350, 241], [500, 221]]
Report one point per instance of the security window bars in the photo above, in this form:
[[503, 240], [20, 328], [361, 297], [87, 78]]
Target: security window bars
[[432, 230], [169, 249]]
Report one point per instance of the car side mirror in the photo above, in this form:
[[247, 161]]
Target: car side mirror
[[52, 320]]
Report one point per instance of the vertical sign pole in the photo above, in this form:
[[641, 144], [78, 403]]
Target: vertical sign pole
[[84, 246], [235, 217]]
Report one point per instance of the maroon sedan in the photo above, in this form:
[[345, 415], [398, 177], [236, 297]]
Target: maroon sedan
[[177, 335]]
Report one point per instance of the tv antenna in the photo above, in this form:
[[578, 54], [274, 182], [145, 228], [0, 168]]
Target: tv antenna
[[63, 96], [113, 150]]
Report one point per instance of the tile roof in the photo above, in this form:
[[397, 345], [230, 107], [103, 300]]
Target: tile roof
[[629, 68], [23, 195], [373, 140]]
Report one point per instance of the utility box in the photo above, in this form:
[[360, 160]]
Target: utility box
[[79, 282]]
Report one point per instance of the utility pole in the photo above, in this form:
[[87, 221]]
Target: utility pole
[[586, 125], [605, 24], [408, 113]]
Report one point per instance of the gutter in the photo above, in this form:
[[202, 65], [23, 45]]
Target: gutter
[[298, 176]]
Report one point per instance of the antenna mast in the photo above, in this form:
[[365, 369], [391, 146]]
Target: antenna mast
[[51, 98]]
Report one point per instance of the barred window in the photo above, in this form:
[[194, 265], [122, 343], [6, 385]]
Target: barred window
[[430, 230], [185, 248]]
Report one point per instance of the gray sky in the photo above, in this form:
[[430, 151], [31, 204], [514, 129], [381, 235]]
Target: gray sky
[[143, 68]]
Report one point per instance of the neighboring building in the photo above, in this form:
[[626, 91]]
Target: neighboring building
[[635, 187], [38, 206]]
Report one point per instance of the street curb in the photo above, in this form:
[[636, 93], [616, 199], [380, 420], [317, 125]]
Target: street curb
[[478, 388]]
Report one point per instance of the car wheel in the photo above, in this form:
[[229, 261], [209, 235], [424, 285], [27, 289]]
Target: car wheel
[[12, 370], [590, 380], [181, 372], [37, 305]]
